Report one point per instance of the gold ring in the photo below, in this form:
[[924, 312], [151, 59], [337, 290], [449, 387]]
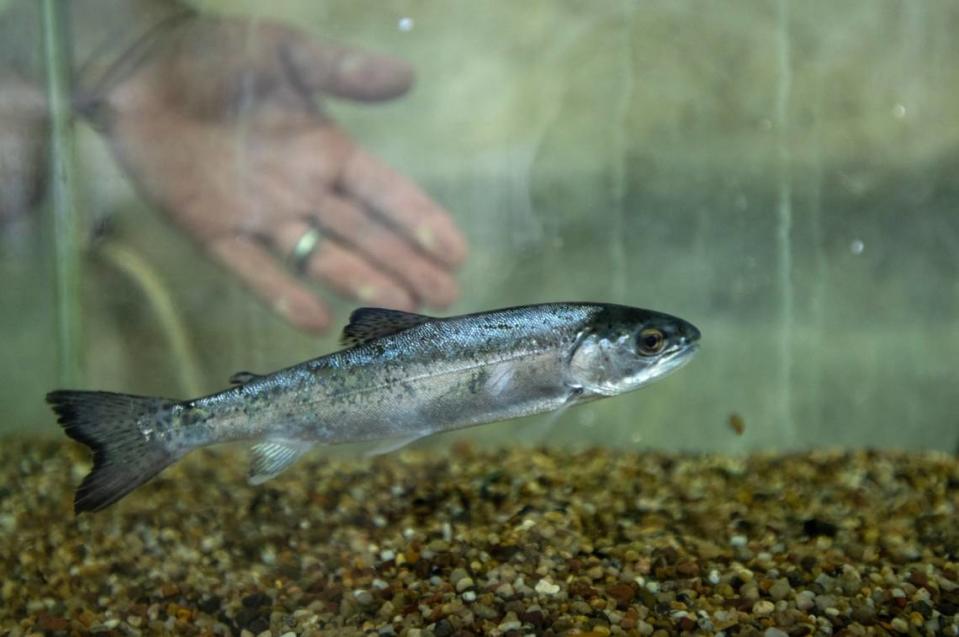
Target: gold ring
[[304, 249]]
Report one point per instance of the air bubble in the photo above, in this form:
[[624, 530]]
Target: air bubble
[[856, 246], [405, 24]]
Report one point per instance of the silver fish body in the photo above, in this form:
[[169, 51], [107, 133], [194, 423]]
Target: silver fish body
[[404, 376]]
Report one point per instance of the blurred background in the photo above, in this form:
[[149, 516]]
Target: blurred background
[[784, 175]]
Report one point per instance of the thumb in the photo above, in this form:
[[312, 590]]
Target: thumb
[[346, 72]]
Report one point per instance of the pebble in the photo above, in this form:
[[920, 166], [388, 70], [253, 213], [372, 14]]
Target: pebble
[[545, 587], [505, 590], [467, 546], [805, 600], [364, 597], [780, 589], [900, 625], [510, 622]]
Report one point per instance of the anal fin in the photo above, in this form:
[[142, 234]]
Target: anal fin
[[272, 457], [392, 444]]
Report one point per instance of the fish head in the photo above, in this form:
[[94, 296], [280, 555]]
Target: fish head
[[623, 348]]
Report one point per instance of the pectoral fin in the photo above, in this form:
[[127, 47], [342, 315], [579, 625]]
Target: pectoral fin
[[270, 458]]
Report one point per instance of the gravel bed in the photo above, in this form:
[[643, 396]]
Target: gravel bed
[[473, 542]]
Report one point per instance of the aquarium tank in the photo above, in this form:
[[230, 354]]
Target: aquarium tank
[[197, 194]]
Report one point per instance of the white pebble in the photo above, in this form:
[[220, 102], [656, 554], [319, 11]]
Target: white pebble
[[363, 597], [545, 587], [510, 622], [805, 600]]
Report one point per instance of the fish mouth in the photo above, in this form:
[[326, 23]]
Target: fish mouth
[[687, 348], [678, 357]]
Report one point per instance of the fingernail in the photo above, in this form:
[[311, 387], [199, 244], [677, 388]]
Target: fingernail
[[426, 237], [350, 63], [366, 293], [282, 307]]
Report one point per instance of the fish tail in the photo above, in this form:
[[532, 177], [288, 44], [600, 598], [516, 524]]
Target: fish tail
[[125, 435]]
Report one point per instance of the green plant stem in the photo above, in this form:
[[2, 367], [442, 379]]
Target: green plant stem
[[65, 222]]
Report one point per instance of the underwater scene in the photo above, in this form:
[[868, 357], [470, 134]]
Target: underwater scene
[[435, 317]]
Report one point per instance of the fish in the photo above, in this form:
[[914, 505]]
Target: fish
[[399, 377]]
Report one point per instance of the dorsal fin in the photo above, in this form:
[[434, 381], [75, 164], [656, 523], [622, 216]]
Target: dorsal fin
[[370, 323]]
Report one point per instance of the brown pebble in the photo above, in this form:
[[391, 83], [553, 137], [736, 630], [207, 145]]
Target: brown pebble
[[623, 593], [686, 623], [169, 589], [533, 617], [48, 622], [688, 568], [919, 579]]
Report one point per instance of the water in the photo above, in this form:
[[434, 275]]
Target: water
[[780, 174], [744, 171]]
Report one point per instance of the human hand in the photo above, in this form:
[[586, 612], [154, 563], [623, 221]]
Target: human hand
[[23, 136], [221, 128]]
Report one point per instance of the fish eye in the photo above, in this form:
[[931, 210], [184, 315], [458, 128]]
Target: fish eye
[[651, 341]]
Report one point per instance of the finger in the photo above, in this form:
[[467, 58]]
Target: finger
[[258, 269], [404, 205], [345, 271], [351, 224], [345, 72]]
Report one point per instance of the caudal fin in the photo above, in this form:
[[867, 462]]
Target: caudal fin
[[123, 432]]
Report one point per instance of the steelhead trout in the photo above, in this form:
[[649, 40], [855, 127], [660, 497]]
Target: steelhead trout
[[400, 377]]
